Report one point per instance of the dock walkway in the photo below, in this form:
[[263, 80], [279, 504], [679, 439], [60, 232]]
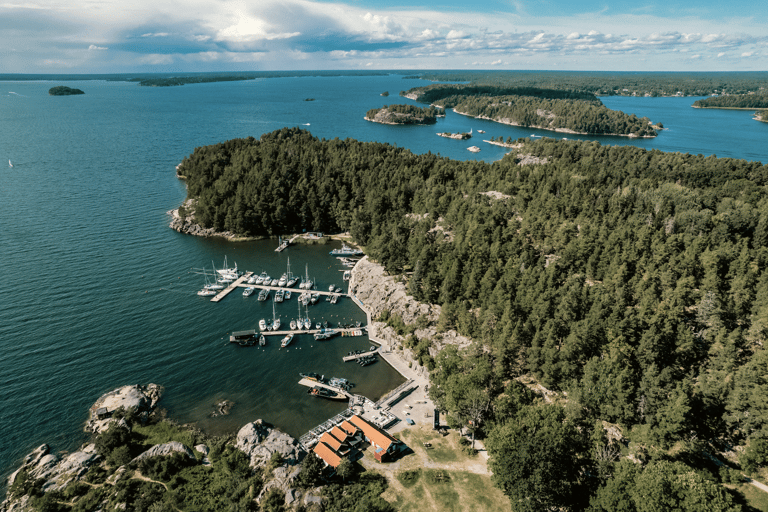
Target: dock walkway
[[316, 384], [348, 332], [223, 293], [355, 357]]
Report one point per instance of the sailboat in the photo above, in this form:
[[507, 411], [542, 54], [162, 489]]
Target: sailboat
[[291, 279], [275, 320]]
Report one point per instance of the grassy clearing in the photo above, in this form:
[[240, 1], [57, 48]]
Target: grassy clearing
[[753, 497], [444, 450], [457, 491], [163, 432]]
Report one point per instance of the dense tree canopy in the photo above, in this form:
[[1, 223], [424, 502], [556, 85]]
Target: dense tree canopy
[[748, 101], [634, 281]]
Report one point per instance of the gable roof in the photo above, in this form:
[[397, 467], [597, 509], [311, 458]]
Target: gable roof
[[331, 441], [376, 436], [327, 454], [349, 428], [339, 434]]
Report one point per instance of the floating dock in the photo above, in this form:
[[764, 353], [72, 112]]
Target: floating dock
[[355, 357], [226, 291], [316, 384]]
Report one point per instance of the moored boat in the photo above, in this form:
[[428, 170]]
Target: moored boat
[[286, 341], [248, 291], [346, 251], [326, 393]]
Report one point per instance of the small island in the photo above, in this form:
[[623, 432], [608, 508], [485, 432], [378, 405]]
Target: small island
[[63, 90], [458, 136], [761, 115], [404, 114]]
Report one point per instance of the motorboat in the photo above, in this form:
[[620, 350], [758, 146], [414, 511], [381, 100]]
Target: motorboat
[[346, 251], [283, 280], [248, 291], [286, 341], [206, 292]]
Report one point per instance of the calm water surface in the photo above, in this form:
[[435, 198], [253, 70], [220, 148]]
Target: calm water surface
[[98, 292]]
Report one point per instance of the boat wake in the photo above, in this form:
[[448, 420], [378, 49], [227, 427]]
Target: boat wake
[[17, 94], [305, 124]]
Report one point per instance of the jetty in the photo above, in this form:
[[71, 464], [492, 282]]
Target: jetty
[[285, 243], [317, 384], [226, 291], [355, 357]]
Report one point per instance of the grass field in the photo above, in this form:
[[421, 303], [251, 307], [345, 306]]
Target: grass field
[[441, 477]]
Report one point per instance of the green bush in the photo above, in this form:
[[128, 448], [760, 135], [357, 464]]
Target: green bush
[[409, 478]]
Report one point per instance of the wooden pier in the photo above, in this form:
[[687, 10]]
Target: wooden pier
[[226, 291], [241, 283], [355, 357], [313, 383], [312, 331]]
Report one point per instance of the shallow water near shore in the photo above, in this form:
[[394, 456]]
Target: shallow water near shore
[[97, 292]]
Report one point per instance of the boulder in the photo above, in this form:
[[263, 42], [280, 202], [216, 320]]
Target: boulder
[[259, 442]]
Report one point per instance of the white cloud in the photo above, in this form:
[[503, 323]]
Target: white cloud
[[156, 34], [94, 47], [456, 34], [747, 54]]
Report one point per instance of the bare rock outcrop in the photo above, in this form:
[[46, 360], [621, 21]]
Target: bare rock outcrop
[[186, 224], [259, 442], [165, 449], [379, 292], [142, 399]]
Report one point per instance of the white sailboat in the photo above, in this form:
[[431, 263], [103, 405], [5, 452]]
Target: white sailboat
[[275, 320]]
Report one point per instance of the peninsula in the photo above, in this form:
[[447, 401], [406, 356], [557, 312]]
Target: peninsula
[[63, 90], [613, 367]]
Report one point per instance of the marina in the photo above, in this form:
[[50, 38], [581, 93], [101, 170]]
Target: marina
[[242, 282]]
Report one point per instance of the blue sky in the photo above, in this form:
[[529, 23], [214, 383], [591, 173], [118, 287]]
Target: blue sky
[[110, 36]]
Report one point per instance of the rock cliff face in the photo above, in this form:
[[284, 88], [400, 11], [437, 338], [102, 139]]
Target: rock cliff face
[[380, 292]]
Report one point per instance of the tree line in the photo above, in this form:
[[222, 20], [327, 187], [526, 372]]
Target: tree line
[[550, 109], [630, 283], [606, 83], [755, 101]]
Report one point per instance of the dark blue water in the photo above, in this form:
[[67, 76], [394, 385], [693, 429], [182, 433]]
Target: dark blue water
[[97, 291]]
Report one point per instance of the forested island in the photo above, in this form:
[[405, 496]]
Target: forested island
[[404, 114], [735, 101], [628, 286], [63, 90], [547, 109], [606, 83]]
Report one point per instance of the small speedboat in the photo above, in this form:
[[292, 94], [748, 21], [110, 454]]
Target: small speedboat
[[286, 341]]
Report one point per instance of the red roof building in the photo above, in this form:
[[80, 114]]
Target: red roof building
[[326, 453], [384, 445]]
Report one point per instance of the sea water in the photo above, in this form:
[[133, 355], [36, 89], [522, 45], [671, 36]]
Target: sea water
[[97, 292]]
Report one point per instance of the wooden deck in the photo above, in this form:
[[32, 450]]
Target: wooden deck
[[313, 383], [309, 331], [226, 291]]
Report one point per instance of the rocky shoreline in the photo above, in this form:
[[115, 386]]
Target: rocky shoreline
[[43, 472], [188, 226]]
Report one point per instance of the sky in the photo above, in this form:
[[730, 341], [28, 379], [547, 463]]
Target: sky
[[169, 36]]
